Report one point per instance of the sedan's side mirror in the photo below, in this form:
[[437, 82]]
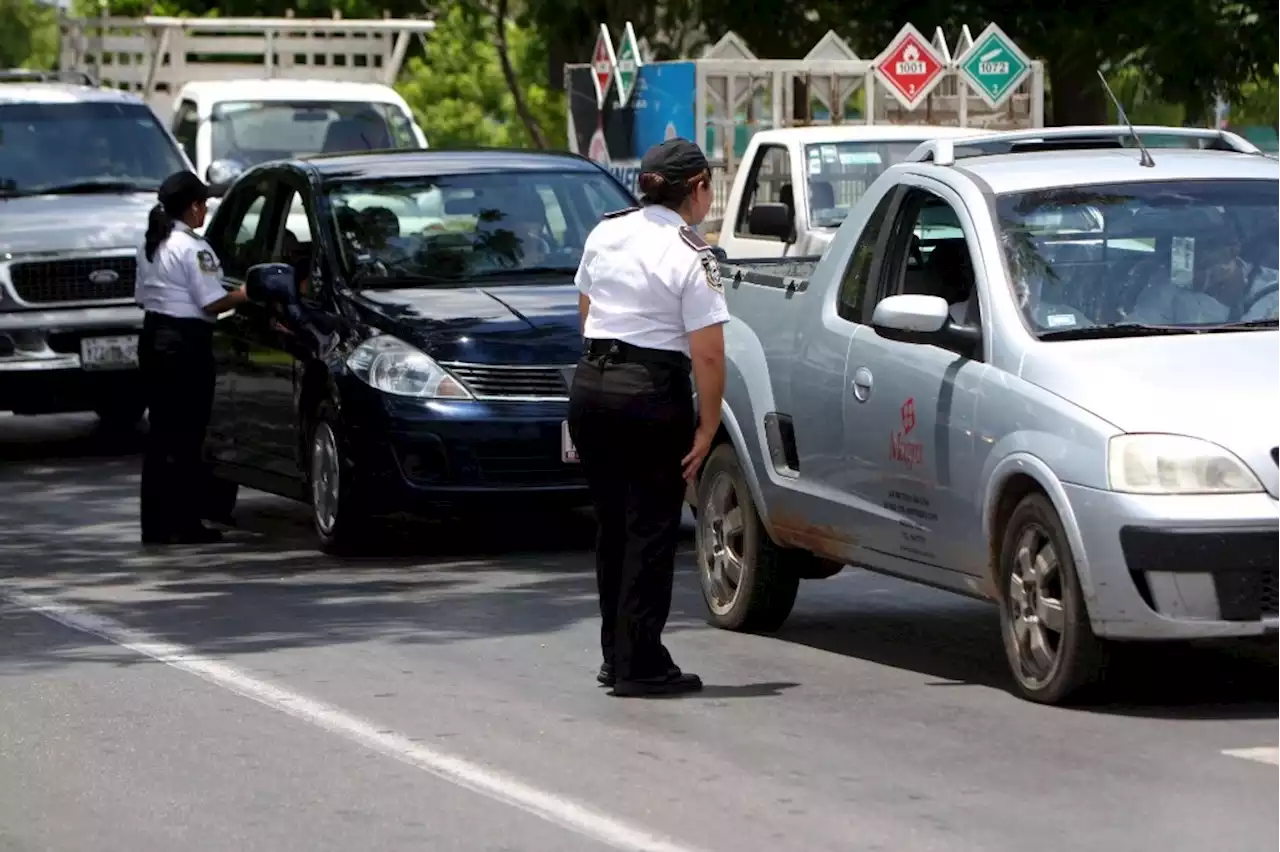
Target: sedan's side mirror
[[220, 175], [771, 219], [272, 283]]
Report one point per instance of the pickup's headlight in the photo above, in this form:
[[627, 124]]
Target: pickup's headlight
[[1175, 464], [393, 366]]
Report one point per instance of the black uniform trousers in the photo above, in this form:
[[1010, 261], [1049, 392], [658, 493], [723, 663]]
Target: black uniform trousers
[[176, 359], [632, 420]]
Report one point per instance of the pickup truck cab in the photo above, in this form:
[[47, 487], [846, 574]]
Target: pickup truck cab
[[227, 126], [79, 169], [773, 213], [1031, 369]]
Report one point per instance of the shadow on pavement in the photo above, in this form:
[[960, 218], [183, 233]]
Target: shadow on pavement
[[69, 513]]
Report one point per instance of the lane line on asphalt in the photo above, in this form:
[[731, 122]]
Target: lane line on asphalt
[[543, 804], [1262, 754]]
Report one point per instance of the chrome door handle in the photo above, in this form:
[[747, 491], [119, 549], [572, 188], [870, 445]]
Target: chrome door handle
[[861, 384]]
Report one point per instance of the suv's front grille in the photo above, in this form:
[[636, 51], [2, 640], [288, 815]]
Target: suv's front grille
[[79, 280], [501, 381]]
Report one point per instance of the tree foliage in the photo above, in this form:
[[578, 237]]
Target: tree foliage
[[458, 93], [28, 34]]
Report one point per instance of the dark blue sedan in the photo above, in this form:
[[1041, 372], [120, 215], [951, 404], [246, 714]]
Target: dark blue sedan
[[411, 333]]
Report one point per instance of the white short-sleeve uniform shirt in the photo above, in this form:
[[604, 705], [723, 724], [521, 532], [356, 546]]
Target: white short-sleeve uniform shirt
[[651, 280], [184, 277]]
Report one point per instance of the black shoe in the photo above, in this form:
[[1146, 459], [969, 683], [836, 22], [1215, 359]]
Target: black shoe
[[152, 538], [197, 535], [674, 683], [606, 677]]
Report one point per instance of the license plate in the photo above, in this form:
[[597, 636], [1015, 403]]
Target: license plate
[[109, 353], [568, 452]]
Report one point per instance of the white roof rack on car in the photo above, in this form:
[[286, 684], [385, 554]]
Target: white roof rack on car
[[945, 152]]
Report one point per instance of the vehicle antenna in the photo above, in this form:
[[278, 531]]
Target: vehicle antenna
[[1145, 160]]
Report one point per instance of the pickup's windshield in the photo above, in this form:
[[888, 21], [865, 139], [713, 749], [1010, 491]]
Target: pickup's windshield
[[1178, 255], [449, 228], [839, 172], [249, 132], [83, 147]]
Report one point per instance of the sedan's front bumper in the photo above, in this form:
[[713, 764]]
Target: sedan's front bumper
[[421, 456], [1179, 567]]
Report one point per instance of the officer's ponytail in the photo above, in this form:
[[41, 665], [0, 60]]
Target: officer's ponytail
[[656, 189], [159, 227]]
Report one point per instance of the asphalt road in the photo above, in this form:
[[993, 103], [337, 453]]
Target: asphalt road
[[255, 695]]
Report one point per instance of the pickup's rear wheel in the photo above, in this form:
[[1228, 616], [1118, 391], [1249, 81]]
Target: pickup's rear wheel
[[1048, 639], [745, 578]]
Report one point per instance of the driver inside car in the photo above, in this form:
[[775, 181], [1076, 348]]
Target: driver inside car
[[1226, 287]]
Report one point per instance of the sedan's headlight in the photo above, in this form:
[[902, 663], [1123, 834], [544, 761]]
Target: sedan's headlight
[[1176, 464], [393, 366]]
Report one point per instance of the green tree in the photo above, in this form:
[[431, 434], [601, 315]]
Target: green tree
[[29, 35], [458, 91]]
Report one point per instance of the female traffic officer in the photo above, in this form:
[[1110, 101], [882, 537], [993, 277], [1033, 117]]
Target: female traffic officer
[[652, 306], [180, 289]]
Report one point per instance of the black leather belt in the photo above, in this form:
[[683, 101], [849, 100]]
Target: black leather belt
[[621, 352]]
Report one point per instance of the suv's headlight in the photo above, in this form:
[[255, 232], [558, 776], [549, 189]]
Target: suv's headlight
[[1176, 464], [393, 366]]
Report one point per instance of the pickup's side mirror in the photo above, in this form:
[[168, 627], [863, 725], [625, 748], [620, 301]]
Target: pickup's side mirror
[[272, 283], [914, 318], [771, 219]]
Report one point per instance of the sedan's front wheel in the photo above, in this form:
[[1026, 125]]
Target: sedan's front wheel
[[340, 523]]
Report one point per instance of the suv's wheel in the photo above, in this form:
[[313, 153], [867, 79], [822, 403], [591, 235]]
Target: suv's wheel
[[1047, 635], [745, 579], [339, 523]]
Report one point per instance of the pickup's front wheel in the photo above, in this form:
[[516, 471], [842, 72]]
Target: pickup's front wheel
[[744, 576]]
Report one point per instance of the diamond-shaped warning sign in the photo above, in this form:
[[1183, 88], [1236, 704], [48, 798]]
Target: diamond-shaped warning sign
[[994, 66], [603, 65], [910, 67]]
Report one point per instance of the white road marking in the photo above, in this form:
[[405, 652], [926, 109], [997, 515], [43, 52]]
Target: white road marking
[[545, 805], [1262, 754]]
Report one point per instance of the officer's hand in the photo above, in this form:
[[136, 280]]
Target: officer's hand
[[692, 463]]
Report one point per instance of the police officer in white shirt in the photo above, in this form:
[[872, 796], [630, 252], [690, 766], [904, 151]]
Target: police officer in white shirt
[[180, 289], [653, 307]]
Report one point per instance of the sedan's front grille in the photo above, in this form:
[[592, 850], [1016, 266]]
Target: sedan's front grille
[[1270, 595], [503, 381], [79, 280]]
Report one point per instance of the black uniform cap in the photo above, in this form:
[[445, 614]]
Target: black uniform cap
[[675, 160], [180, 190]]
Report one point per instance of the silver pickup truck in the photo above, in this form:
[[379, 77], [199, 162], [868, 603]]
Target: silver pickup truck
[[1036, 368], [79, 168]]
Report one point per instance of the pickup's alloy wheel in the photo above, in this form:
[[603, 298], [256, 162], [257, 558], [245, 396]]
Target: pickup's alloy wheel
[[746, 580], [1047, 635]]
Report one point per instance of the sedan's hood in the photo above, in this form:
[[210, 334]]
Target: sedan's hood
[[511, 324], [1224, 388], [73, 222]]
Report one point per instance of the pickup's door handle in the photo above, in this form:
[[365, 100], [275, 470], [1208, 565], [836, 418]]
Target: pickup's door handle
[[861, 384]]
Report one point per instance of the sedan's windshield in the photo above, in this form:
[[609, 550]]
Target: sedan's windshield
[[839, 172], [1177, 255], [249, 133], [83, 147], [448, 228]]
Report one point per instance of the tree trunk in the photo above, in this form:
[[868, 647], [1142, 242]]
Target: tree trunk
[[1076, 92], [509, 72]]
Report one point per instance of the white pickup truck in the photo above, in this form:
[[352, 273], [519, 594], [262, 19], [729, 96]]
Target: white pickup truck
[[771, 213]]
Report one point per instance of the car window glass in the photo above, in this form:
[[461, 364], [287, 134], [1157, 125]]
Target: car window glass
[[1170, 253], [185, 126], [250, 132], [930, 256], [250, 240], [770, 183], [450, 227], [838, 173], [857, 273]]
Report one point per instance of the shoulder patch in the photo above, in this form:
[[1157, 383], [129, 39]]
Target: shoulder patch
[[693, 239], [618, 213], [711, 267], [208, 263]]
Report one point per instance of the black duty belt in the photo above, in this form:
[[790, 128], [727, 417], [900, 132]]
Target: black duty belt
[[621, 352]]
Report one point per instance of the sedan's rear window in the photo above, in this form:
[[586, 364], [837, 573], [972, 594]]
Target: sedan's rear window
[[1169, 253]]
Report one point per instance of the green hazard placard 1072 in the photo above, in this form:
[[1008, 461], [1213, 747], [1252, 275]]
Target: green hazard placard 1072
[[994, 66]]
